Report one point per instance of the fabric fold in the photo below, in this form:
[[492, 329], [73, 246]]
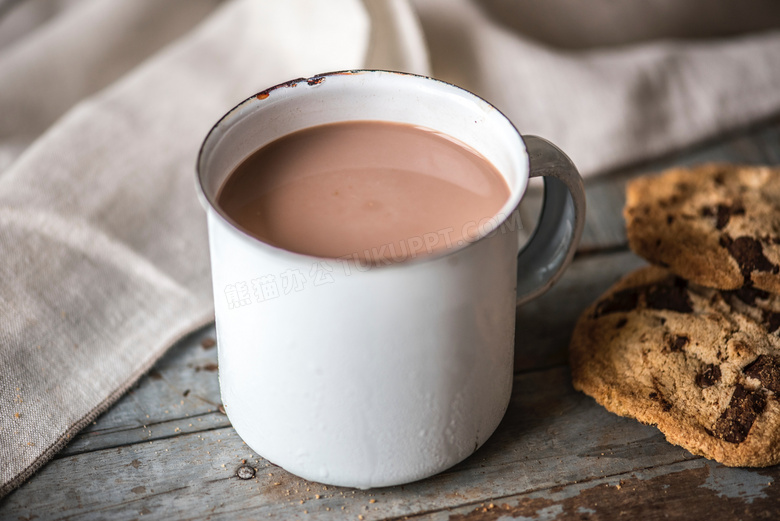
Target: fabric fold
[[47, 72], [606, 107], [105, 256]]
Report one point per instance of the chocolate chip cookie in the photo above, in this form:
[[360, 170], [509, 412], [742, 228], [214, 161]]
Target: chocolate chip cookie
[[715, 225], [703, 365]]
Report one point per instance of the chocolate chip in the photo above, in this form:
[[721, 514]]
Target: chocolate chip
[[723, 217], [749, 254], [709, 376], [718, 178], [748, 294], [673, 298], [722, 213], [624, 300], [620, 323], [725, 212], [772, 321], [678, 342], [765, 369], [735, 422], [669, 219]]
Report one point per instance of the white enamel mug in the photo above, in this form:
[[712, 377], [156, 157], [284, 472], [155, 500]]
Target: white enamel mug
[[373, 376]]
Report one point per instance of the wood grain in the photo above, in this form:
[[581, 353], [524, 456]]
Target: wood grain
[[551, 436], [544, 325], [181, 389], [696, 489], [165, 451]]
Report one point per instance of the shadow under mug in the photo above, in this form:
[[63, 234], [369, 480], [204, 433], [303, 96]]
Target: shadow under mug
[[369, 376]]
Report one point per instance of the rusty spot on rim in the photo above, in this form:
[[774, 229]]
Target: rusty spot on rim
[[291, 83], [262, 95]]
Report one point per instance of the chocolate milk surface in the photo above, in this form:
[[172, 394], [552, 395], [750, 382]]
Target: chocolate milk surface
[[376, 191]]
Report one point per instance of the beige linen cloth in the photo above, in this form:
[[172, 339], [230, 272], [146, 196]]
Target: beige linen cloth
[[104, 103]]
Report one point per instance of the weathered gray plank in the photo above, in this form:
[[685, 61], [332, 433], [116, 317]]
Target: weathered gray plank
[[119, 437], [551, 436], [182, 389], [695, 489], [770, 143], [544, 325]]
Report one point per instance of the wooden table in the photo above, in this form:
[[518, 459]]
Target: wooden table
[[166, 450]]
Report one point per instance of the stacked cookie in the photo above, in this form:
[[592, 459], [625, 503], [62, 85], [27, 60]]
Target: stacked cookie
[[692, 343]]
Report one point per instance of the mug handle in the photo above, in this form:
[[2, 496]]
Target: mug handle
[[551, 248]]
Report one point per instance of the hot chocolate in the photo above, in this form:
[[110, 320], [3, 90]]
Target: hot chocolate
[[378, 191]]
